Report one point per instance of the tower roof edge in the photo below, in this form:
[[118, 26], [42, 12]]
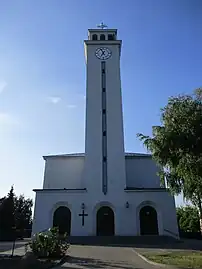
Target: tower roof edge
[[102, 30]]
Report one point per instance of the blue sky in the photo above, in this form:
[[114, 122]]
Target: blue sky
[[42, 74]]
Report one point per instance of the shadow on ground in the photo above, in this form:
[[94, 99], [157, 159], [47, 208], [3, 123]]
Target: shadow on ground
[[96, 263], [187, 244], [5, 246]]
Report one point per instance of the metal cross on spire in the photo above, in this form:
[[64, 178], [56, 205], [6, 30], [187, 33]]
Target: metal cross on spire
[[102, 25]]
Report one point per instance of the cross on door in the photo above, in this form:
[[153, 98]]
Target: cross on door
[[83, 215]]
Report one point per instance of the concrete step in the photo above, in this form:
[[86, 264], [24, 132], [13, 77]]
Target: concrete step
[[122, 240]]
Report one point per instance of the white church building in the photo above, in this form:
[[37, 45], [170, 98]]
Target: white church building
[[104, 191]]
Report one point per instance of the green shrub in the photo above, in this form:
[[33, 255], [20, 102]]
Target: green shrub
[[49, 244]]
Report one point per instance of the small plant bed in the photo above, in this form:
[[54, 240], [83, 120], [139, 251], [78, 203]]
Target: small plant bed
[[29, 261], [46, 250], [50, 244], [180, 259]]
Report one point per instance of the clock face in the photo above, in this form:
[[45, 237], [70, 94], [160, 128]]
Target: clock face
[[103, 53]]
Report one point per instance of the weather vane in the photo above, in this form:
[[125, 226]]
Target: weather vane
[[102, 26]]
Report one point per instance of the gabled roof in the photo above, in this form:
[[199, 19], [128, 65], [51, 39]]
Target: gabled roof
[[127, 155]]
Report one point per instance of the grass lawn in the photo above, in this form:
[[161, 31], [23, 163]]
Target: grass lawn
[[181, 259]]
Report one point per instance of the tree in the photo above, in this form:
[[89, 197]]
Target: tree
[[176, 146], [23, 213], [188, 219], [15, 214], [7, 217]]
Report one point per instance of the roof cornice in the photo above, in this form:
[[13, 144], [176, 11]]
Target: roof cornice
[[61, 190], [70, 155]]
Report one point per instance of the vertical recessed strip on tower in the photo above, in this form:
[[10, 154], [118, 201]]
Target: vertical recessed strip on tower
[[104, 129]]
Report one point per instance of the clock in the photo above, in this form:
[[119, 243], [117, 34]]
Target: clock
[[103, 53]]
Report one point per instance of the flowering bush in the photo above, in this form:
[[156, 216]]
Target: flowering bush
[[49, 244]]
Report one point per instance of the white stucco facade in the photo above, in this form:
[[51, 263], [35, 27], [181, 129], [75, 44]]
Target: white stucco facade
[[62, 172], [63, 187], [104, 177], [126, 219]]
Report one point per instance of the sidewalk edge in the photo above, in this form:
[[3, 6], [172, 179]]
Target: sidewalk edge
[[151, 262]]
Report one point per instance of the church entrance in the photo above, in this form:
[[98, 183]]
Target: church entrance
[[105, 221], [148, 221], [62, 219]]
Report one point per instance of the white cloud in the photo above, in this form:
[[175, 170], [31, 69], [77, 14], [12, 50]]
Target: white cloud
[[71, 106], [3, 85], [7, 119], [54, 99]]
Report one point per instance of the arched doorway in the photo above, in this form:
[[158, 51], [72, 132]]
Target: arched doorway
[[105, 221], [62, 219], [148, 221]]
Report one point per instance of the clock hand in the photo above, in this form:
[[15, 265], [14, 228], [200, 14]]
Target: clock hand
[[103, 52]]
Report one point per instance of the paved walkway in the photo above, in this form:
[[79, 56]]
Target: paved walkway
[[7, 246], [99, 257], [19, 251]]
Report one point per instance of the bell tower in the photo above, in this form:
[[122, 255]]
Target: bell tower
[[104, 138]]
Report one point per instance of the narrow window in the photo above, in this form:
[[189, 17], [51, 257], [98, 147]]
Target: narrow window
[[104, 111], [104, 90], [104, 104], [104, 146], [102, 37], [110, 37], [94, 37]]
